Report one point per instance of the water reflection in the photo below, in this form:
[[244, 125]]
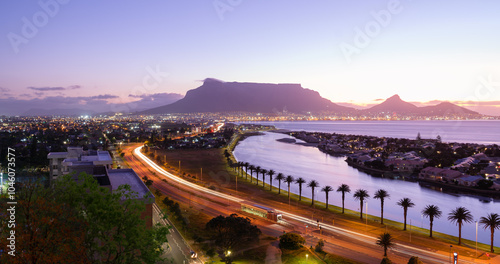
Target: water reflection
[[310, 163]]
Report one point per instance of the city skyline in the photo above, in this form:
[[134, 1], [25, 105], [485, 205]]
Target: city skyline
[[69, 53]]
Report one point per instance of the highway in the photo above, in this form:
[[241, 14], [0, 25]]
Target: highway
[[345, 242]]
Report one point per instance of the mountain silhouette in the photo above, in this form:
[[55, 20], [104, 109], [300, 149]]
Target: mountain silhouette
[[395, 105], [218, 96]]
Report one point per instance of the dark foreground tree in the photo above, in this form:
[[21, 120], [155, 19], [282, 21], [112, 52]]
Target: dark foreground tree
[[460, 216], [491, 221], [231, 232], [65, 221], [414, 260], [386, 241], [405, 203], [291, 241]]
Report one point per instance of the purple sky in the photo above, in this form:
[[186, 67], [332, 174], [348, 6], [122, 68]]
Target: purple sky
[[76, 54]]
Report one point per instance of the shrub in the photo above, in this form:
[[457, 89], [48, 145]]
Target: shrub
[[291, 241]]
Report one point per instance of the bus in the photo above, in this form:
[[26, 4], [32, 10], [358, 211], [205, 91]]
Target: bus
[[261, 211]]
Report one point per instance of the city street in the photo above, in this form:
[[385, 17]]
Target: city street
[[353, 244]]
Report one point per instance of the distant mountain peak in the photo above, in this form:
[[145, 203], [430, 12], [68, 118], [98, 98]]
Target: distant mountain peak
[[394, 98]]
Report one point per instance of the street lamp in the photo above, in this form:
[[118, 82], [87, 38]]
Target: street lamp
[[307, 257], [476, 238], [450, 252]]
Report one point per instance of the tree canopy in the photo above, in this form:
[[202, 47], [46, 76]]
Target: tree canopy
[[79, 221], [232, 231]]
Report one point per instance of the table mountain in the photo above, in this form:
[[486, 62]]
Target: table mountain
[[218, 96]]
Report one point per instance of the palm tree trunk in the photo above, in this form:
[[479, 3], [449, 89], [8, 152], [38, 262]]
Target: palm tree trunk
[[326, 200], [300, 193], [385, 251], [431, 229], [492, 233], [405, 213], [343, 199], [279, 187], [459, 234], [382, 211], [312, 203], [361, 207]]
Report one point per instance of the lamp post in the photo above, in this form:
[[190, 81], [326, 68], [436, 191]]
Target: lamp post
[[450, 252], [307, 257], [476, 238]]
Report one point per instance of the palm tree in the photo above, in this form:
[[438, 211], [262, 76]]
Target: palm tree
[[327, 189], [271, 173], [246, 165], [386, 241], [300, 181], [405, 203], [257, 170], [491, 221], [289, 179], [381, 194], [312, 184], [431, 211], [361, 195], [240, 166], [344, 188], [251, 168], [459, 216], [280, 177], [264, 172]]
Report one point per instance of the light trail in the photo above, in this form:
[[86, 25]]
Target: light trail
[[408, 250]]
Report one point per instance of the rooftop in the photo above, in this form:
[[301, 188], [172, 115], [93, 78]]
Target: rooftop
[[119, 177]]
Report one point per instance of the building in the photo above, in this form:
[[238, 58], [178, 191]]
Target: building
[[437, 174], [62, 163]]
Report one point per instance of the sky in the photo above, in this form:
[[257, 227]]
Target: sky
[[128, 54]]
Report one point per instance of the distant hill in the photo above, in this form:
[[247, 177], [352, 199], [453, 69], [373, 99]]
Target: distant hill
[[219, 96], [395, 104]]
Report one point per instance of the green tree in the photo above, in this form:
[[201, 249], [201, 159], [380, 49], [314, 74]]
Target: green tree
[[280, 177], [271, 173], [386, 241], [431, 211], [231, 232], [386, 260], [300, 181], [111, 218], [491, 221], [289, 179], [291, 241], [405, 203], [344, 188], [319, 246], [327, 189], [459, 216], [381, 194], [312, 184], [360, 195]]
